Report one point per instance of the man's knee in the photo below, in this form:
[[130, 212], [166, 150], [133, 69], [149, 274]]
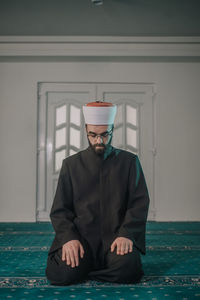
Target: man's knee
[[64, 275], [126, 268], [58, 273]]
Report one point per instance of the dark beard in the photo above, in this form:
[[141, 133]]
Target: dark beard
[[99, 151]]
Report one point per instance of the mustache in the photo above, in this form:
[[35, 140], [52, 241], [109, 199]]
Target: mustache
[[99, 145]]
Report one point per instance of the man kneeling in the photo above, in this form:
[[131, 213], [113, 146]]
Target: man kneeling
[[100, 209]]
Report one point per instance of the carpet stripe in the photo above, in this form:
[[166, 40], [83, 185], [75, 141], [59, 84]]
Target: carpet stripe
[[150, 248], [147, 281], [156, 232]]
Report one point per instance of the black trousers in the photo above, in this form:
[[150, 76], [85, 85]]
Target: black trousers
[[107, 266]]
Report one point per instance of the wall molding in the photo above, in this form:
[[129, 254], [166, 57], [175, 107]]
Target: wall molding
[[96, 46]]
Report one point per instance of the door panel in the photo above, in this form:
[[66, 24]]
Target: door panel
[[63, 135], [134, 125]]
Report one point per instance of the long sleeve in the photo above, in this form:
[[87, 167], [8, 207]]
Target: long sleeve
[[134, 223], [62, 213]]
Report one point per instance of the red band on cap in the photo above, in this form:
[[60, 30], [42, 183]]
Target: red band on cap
[[99, 104]]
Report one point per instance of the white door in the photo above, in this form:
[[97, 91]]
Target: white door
[[134, 126], [62, 132]]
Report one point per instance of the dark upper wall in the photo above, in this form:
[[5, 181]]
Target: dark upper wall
[[114, 17]]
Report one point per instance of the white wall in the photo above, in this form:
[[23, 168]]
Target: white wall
[[177, 130]]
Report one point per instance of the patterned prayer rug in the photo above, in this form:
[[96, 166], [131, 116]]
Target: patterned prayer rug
[[171, 265]]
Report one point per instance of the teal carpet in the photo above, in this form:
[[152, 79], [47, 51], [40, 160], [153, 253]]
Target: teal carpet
[[171, 265]]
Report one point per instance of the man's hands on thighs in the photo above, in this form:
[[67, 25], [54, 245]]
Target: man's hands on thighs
[[123, 245], [70, 252]]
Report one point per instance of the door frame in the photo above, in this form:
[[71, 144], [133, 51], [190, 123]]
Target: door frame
[[43, 89]]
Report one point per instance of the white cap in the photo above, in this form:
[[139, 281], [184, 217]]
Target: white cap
[[99, 113]]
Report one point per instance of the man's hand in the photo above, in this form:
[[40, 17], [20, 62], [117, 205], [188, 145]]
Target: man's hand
[[70, 252], [123, 245]]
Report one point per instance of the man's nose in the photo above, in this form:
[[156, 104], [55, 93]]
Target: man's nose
[[99, 139]]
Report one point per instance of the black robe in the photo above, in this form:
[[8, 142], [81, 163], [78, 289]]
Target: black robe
[[100, 198]]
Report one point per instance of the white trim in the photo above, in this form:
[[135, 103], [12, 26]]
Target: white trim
[[106, 39], [89, 46], [152, 215], [43, 216]]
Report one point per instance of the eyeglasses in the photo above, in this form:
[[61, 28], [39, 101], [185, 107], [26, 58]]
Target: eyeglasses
[[103, 135]]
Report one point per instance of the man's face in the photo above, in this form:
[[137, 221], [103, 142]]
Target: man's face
[[99, 143]]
